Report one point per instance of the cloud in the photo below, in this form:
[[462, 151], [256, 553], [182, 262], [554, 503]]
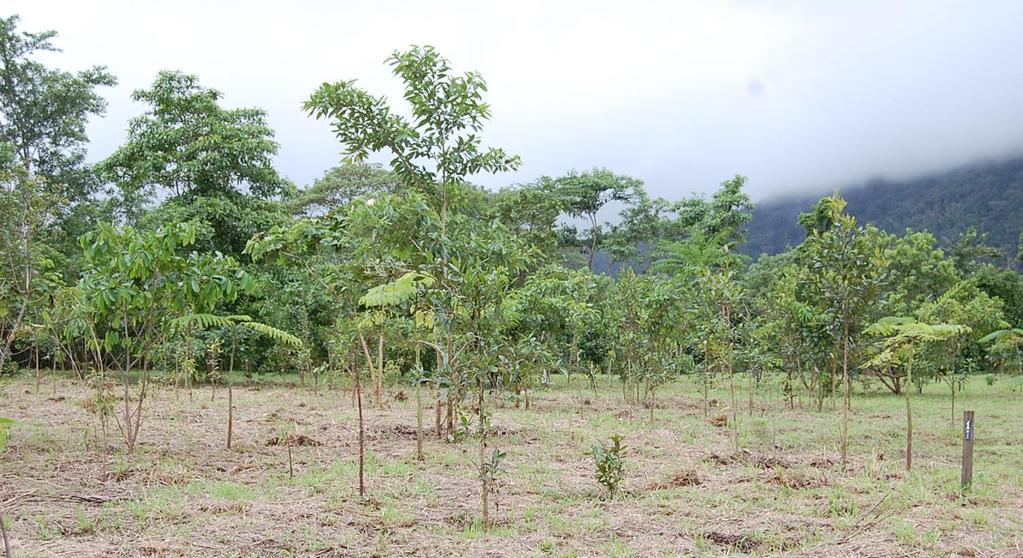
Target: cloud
[[680, 94]]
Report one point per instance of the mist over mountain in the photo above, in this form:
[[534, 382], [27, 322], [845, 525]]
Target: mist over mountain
[[987, 195]]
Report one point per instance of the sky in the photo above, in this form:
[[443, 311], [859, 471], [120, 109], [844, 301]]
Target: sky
[[683, 95]]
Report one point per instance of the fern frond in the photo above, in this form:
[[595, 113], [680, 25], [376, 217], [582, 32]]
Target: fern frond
[[273, 333]]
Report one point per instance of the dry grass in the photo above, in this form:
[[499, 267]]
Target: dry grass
[[688, 492]]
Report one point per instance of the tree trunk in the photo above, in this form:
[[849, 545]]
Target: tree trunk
[[379, 387], [419, 409], [484, 472], [751, 387], [362, 435], [593, 241], [230, 396], [909, 416], [3, 534], [735, 414], [953, 385], [848, 396]]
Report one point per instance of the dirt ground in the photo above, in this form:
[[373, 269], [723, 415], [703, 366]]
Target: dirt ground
[[64, 491]]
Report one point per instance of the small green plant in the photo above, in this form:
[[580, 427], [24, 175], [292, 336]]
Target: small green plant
[[990, 379], [610, 462], [5, 431]]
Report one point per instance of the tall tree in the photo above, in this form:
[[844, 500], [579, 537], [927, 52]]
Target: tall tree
[[187, 146], [341, 185], [43, 116], [724, 216], [43, 111], [586, 193], [531, 213]]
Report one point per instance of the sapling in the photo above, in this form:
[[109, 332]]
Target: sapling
[[5, 429], [903, 338], [610, 464]]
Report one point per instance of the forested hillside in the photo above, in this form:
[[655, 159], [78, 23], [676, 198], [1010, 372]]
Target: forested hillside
[[986, 195]]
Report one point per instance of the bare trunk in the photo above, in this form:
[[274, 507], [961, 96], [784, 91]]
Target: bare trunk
[[848, 395], [953, 384], [230, 396], [909, 416], [379, 387], [3, 534], [735, 414], [362, 436], [485, 474], [419, 410], [593, 241]]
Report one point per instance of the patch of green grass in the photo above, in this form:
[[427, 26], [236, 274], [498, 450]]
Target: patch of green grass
[[224, 490], [159, 505]]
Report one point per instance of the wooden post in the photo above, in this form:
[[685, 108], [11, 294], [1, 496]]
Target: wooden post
[[968, 433]]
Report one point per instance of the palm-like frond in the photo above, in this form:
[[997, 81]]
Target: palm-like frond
[[1000, 334], [273, 333], [207, 321]]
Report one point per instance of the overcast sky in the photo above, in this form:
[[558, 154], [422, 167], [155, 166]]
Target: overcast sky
[[682, 95]]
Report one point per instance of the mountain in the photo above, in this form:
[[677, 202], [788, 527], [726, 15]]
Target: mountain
[[987, 195]]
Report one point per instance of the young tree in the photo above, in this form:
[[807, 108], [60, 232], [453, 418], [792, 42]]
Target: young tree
[[846, 270], [723, 217], [1006, 344], [431, 226], [140, 292], [901, 341], [971, 307], [435, 149]]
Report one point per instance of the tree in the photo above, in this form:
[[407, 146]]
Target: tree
[[1006, 343], [340, 185], [585, 194], [789, 323], [431, 227], [918, 271], [531, 212], [950, 359], [439, 145], [639, 229], [27, 213], [901, 340], [970, 250], [188, 146], [724, 217], [43, 111], [140, 293], [846, 270]]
